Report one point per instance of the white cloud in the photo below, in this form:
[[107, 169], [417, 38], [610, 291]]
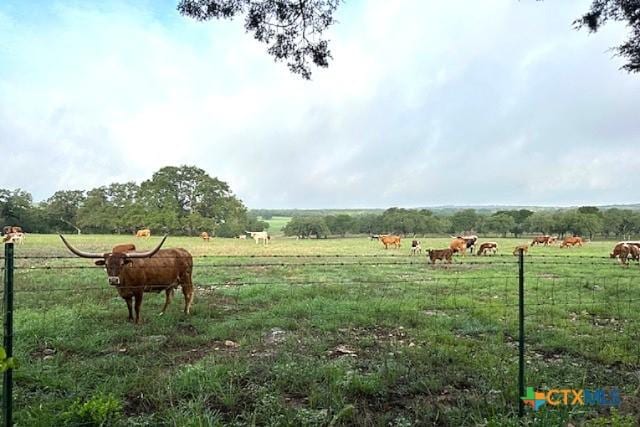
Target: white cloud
[[424, 103]]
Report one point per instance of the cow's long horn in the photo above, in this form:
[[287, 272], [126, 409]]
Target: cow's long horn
[[147, 254], [81, 254]]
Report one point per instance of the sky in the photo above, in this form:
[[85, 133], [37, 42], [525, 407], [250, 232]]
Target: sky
[[425, 103]]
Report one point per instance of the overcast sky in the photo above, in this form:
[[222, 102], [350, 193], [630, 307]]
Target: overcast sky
[[425, 103]]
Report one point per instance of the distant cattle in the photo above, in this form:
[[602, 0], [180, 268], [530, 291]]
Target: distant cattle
[[10, 229], [259, 236], [632, 252], [625, 250], [143, 233], [524, 248], [242, 237], [542, 240], [373, 237], [440, 254], [487, 247], [125, 247], [388, 240], [415, 247], [572, 241], [204, 235], [17, 238], [631, 242], [458, 245], [471, 241]]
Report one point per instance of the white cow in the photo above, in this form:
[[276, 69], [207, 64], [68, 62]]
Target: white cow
[[17, 238], [259, 235]]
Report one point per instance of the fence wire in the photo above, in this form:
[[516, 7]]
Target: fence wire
[[582, 327]]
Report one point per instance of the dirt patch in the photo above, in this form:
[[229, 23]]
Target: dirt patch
[[435, 313], [186, 329], [194, 354], [43, 353], [374, 338], [296, 402], [137, 404], [275, 336]]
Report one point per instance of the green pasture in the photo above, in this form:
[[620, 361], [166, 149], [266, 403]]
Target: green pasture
[[323, 332], [276, 224]]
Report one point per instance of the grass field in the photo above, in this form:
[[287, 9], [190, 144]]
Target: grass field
[[323, 332], [276, 224]]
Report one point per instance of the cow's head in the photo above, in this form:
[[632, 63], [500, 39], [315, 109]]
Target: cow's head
[[113, 261]]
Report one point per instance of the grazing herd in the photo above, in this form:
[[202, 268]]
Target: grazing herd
[[134, 273], [623, 251]]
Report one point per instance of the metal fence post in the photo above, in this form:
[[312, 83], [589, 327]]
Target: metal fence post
[[7, 381], [521, 385]]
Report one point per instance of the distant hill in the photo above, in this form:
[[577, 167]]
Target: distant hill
[[444, 209]]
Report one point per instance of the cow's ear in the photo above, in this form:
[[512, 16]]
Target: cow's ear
[[100, 262]]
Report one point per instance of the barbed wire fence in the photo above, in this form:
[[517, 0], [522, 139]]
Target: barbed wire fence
[[573, 321]]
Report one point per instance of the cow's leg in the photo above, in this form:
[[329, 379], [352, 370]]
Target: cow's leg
[[167, 300], [138, 304], [130, 307], [187, 291]]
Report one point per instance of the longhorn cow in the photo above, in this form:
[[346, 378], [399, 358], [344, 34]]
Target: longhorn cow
[[134, 273]]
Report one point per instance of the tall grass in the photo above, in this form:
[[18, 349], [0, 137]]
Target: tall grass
[[322, 332]]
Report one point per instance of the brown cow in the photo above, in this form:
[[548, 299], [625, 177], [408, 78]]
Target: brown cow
[[145, 232], [134, 273], [625, 250], [204, 235], [632, 252], [459, 244], [571, 241], [525, 249], [541, 240], [631, 242], [390, 240], [470, 241], [487, 247], [440, 254], [124, 247]]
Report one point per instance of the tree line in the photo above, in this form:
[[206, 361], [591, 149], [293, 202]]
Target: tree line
[[178, 200], [587, 221], [185, 200]]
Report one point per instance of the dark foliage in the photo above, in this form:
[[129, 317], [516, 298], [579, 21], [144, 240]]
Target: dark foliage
[[292, 29], [618, 10]]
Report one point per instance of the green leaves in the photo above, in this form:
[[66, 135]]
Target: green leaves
[[7, 362]]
